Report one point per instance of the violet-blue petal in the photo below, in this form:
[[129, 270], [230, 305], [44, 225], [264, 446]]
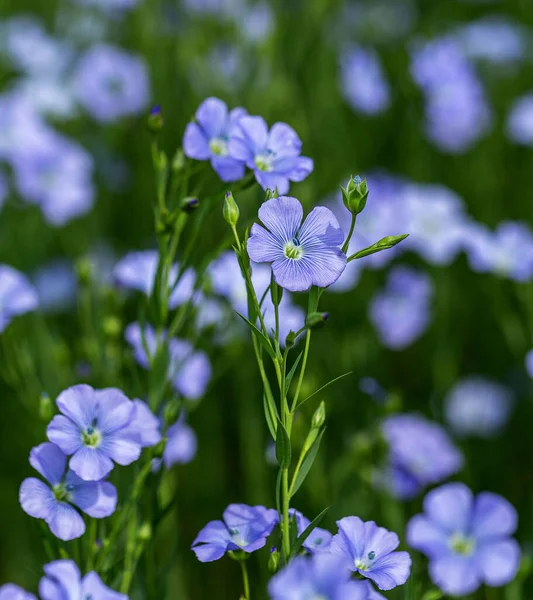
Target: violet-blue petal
[[48, 460], [391, 570], [122, 448], [145, 425], [321, 223], [93, 587], [65, 434], [270, 180], [36, 498], [65, 522], [137, 270], [498, 561], [283, 140], [262, 246], [427, 537], [98, 499], [493, 516], [181, 444], [91, 464], [254, 132], [228, 168], [282, 216], [450, 506], [455, 575], [212, 541], [78, 403], [195, 142], [115, 410], [193, 378], [62, 580], [211, 116], [10, 591]]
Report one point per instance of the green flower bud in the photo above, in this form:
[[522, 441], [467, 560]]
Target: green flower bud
[[155, 120], [273, 561], [355, 195], [159, 449], [84, 270], [178, 162], [45, 408], [112, 327], [290, 339], [171, 411], [319, 417], [316, 320], [145, 532], [310, 440], [230, 210], [189, 204]]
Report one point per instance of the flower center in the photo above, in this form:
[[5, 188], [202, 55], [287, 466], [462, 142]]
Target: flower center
[[62, 492], [91, 437], [219, 146], [461, 544], [293, 249], [237, 538], [363, 564], [264, 161]]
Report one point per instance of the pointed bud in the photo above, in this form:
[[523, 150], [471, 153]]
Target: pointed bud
[[84, 270], [178, 162], [273, 561], [355, 195], [276, 293], [45, 408], [145, 532], [319, 417], [290, 339], [155, 120], [230, 210], [316, 320], [171, 411], [271, 194], [189, 204]]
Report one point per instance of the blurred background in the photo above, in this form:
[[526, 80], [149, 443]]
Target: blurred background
[[431, 101]]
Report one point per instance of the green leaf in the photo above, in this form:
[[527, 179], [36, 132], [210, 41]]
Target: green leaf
[[291, 373], [272, 425], [307, 463], [384, 244], [433, 595], [325, 386], [283, 447], [265, 342], [307, 532]]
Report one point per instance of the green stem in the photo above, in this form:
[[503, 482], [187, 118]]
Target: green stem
[[302, 370], [91, 551], [286, 526], [350, 233], [245, 581]]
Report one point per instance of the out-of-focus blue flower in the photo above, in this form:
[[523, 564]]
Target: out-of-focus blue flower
[[369, 550], [401, 312], [274, 156], [479, 407], [4, 189], [208, 137], [219, 8], [110, 83], [457, 112], [467, 539], [181, 444], [189, 370], [95, 430], [319, 540], [138, 270], [493, 39], [420, 454], [243, 528], [362, 80], [520, 120], [302, 255], [55, 174], [109, 4], [323, 576], [56, 286], [50, 97], [17, 295], [53, 502], [529, 363], [436, 222], [507, 252], [63, 581], [255, 22], [10, 591]]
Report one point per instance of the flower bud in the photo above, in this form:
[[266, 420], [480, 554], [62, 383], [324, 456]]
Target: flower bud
[[230, 210], [84, 270], [171, 411], [271, 194], [159, 449], [155, 120], [319, 417], [273, 561], [290, 339], [112, 327], [45, 408], [355, 195], [178, 162], [316, 320], [145, 532], [189, 204]]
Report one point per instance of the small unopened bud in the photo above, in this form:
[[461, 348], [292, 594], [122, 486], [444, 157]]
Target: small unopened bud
[[171, 411], [145, 532], [155, 119], [178, 162], [84, 270], [159, 449], [316, 320], [112, 327], [230, 210], [271, 194], [190, 204], [290, 339], [319, 417], [45, 408], [355, 195], [273, 561]]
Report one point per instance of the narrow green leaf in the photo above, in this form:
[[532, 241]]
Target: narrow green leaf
[[278, 494], [307, 463], [384, 244], [325, 386], [283, 447], [265, 342], [270, 422], [291, 373], [307, 532]]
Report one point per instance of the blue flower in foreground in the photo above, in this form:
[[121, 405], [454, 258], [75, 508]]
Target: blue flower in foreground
[[420, 454], [181, 444], [467, 539], [520, 121], [208, 137], [110, 83], [273, 155], [10, 591], [323, 577], [368, 550], [138, 270], [63, 581], [189, 370], [53, 502], [17, 295], [95, 428], [319, 539], [302, 255], [243, 528]]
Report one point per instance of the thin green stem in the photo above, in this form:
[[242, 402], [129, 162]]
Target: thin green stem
[[286, 526], [245, 581], [350, 233], [302, 371], [91, 550]]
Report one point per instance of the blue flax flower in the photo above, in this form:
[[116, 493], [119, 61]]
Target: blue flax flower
[[63, 581], [319, 539], [208, 137], [145, 425], [520, 120], [53, 502], [181, 444], [420, 454], [95, 430], [323, 577], [369, 551], [302, 255], [10, 591], [467, 539], [243, 528], [17, 295], [274, 156]]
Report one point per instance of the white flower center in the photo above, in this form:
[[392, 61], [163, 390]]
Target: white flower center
[[364, 563], [264, 161], [293, 249], [462, 544], [91, 437], [218, 146]]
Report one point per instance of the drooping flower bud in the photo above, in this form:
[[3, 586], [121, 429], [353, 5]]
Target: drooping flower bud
[[189, 204], [355, 195], [231, 210], [316, 320], [155, 119]]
